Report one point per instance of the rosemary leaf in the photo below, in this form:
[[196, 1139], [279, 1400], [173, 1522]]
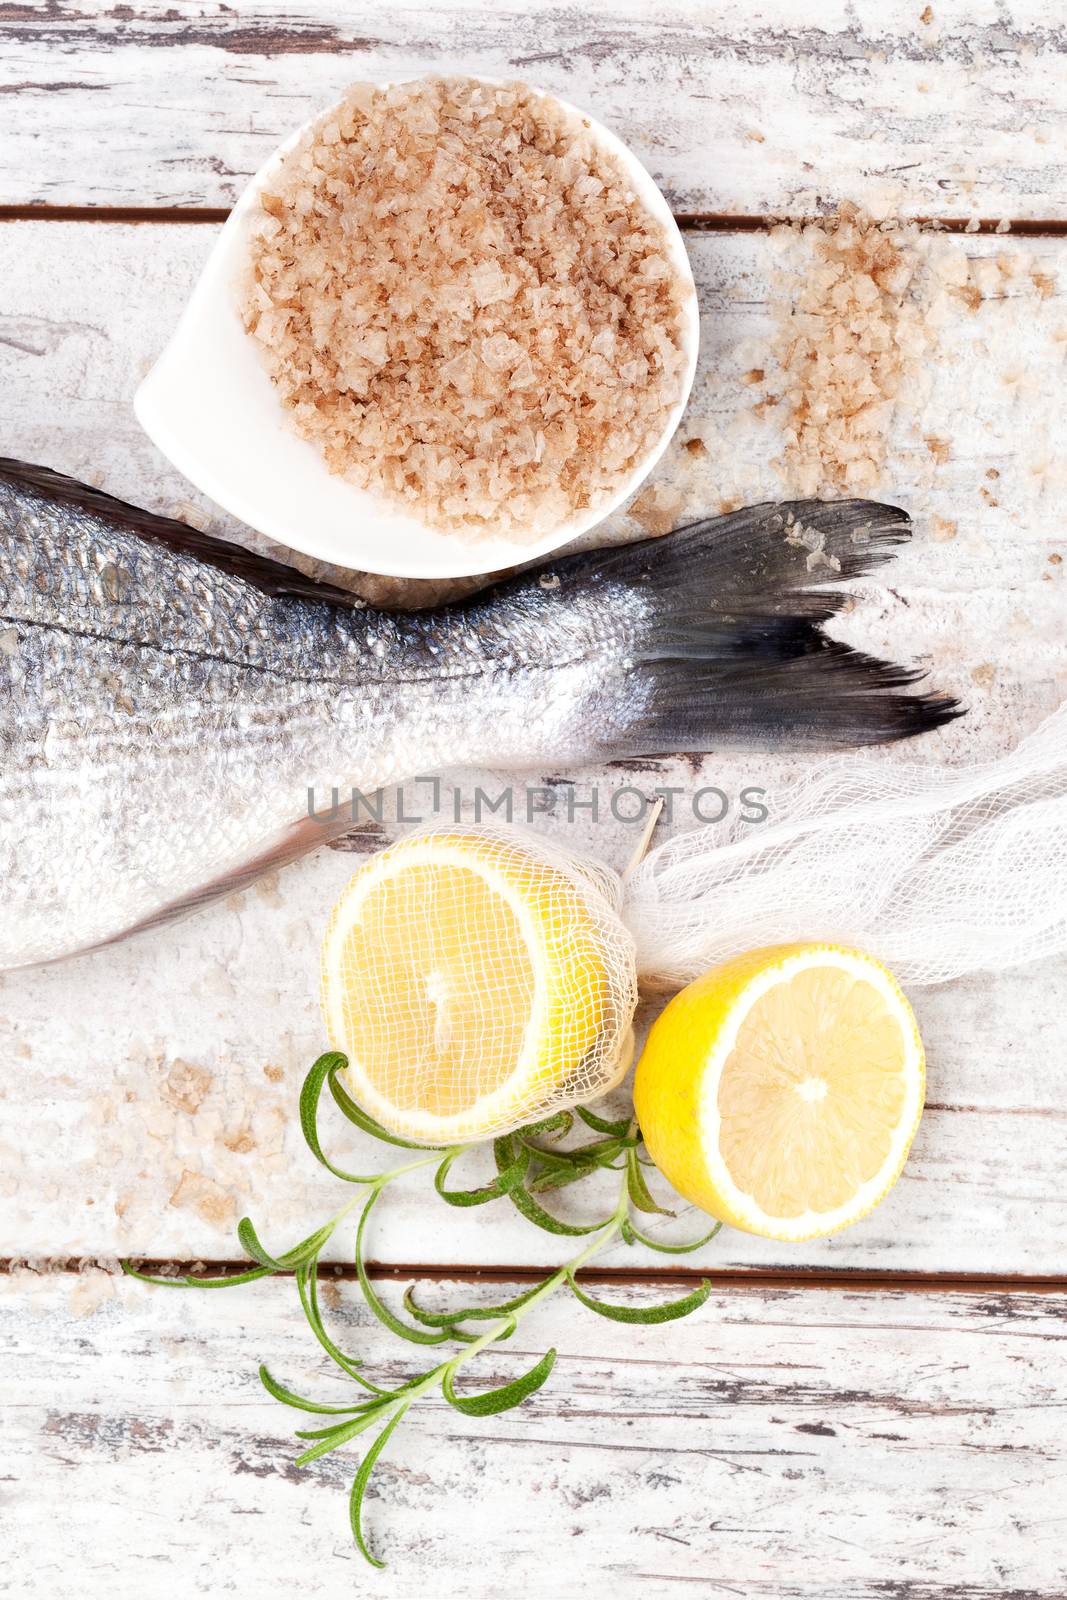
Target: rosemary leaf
[[490, 1401], [357, 1115], [669, 1311], [555, 1174], [278, 1391], [307, 1280], [558, 1178], [449, 1323], [446, 1319], [524, 1202], [555, 1127], [618, 1130], [595, 1153], [638, 1190], [334, 1429], [377, 1306], [328, 1439], [301, 1252], [187, 1281], [562, 1167], [634, 1235], [359, 1486], [502, 1184], [333, 1061]]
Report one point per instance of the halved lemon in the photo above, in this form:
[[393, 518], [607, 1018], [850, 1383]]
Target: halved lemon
[[781, 1091], [467, 980]]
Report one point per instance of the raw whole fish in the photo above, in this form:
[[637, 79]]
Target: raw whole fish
[[168, 700]]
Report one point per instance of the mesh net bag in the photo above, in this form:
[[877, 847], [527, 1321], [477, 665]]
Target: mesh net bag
[[478, 979], [937, 872]]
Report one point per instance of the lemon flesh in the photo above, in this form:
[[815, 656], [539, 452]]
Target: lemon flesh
[[465, 980], [781, 1091]]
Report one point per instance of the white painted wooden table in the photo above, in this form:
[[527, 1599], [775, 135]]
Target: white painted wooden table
[[874, 1415]]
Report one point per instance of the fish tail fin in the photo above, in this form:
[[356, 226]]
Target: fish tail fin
[[730, 647]]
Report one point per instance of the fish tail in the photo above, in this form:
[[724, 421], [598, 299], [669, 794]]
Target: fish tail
[[730, 646]]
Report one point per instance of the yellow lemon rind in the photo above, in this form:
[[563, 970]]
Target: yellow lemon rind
[[677, 1106]]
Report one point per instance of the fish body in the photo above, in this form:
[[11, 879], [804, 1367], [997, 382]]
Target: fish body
[[168, 701]]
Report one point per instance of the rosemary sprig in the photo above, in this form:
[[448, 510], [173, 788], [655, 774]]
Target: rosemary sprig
[[530, 1163]]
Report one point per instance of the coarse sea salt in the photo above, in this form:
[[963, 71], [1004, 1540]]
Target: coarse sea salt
[[461, 301]]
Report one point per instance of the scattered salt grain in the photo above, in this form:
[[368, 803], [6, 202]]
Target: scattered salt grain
[[813, 540], [851, 333], [656, 509]]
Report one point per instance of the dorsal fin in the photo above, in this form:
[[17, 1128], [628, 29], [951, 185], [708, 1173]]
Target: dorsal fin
[[272, 577]]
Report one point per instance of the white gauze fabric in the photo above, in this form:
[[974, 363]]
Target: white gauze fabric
[[937, 872]]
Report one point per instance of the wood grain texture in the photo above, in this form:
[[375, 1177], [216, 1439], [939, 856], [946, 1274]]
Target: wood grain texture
[[151, 1128], [795, 1445], [734, 107], [973, 449], [159, 1080], [815, 1445]]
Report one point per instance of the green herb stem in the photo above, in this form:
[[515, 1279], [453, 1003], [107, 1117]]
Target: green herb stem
[[529, 1163], [556, 1280]]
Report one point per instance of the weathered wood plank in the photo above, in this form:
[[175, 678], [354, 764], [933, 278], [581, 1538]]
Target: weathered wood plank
[[973, 449], [734, 108], [150, 1125], [800, 1445], [103, 1120]]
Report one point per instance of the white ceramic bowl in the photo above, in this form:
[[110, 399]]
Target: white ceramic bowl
[[211, 408]]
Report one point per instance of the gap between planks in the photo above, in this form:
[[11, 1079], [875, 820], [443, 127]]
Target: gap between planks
[[688, 221], [759, 1280]]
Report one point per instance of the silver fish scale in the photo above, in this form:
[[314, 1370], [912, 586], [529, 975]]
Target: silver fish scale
[[161, 721]]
